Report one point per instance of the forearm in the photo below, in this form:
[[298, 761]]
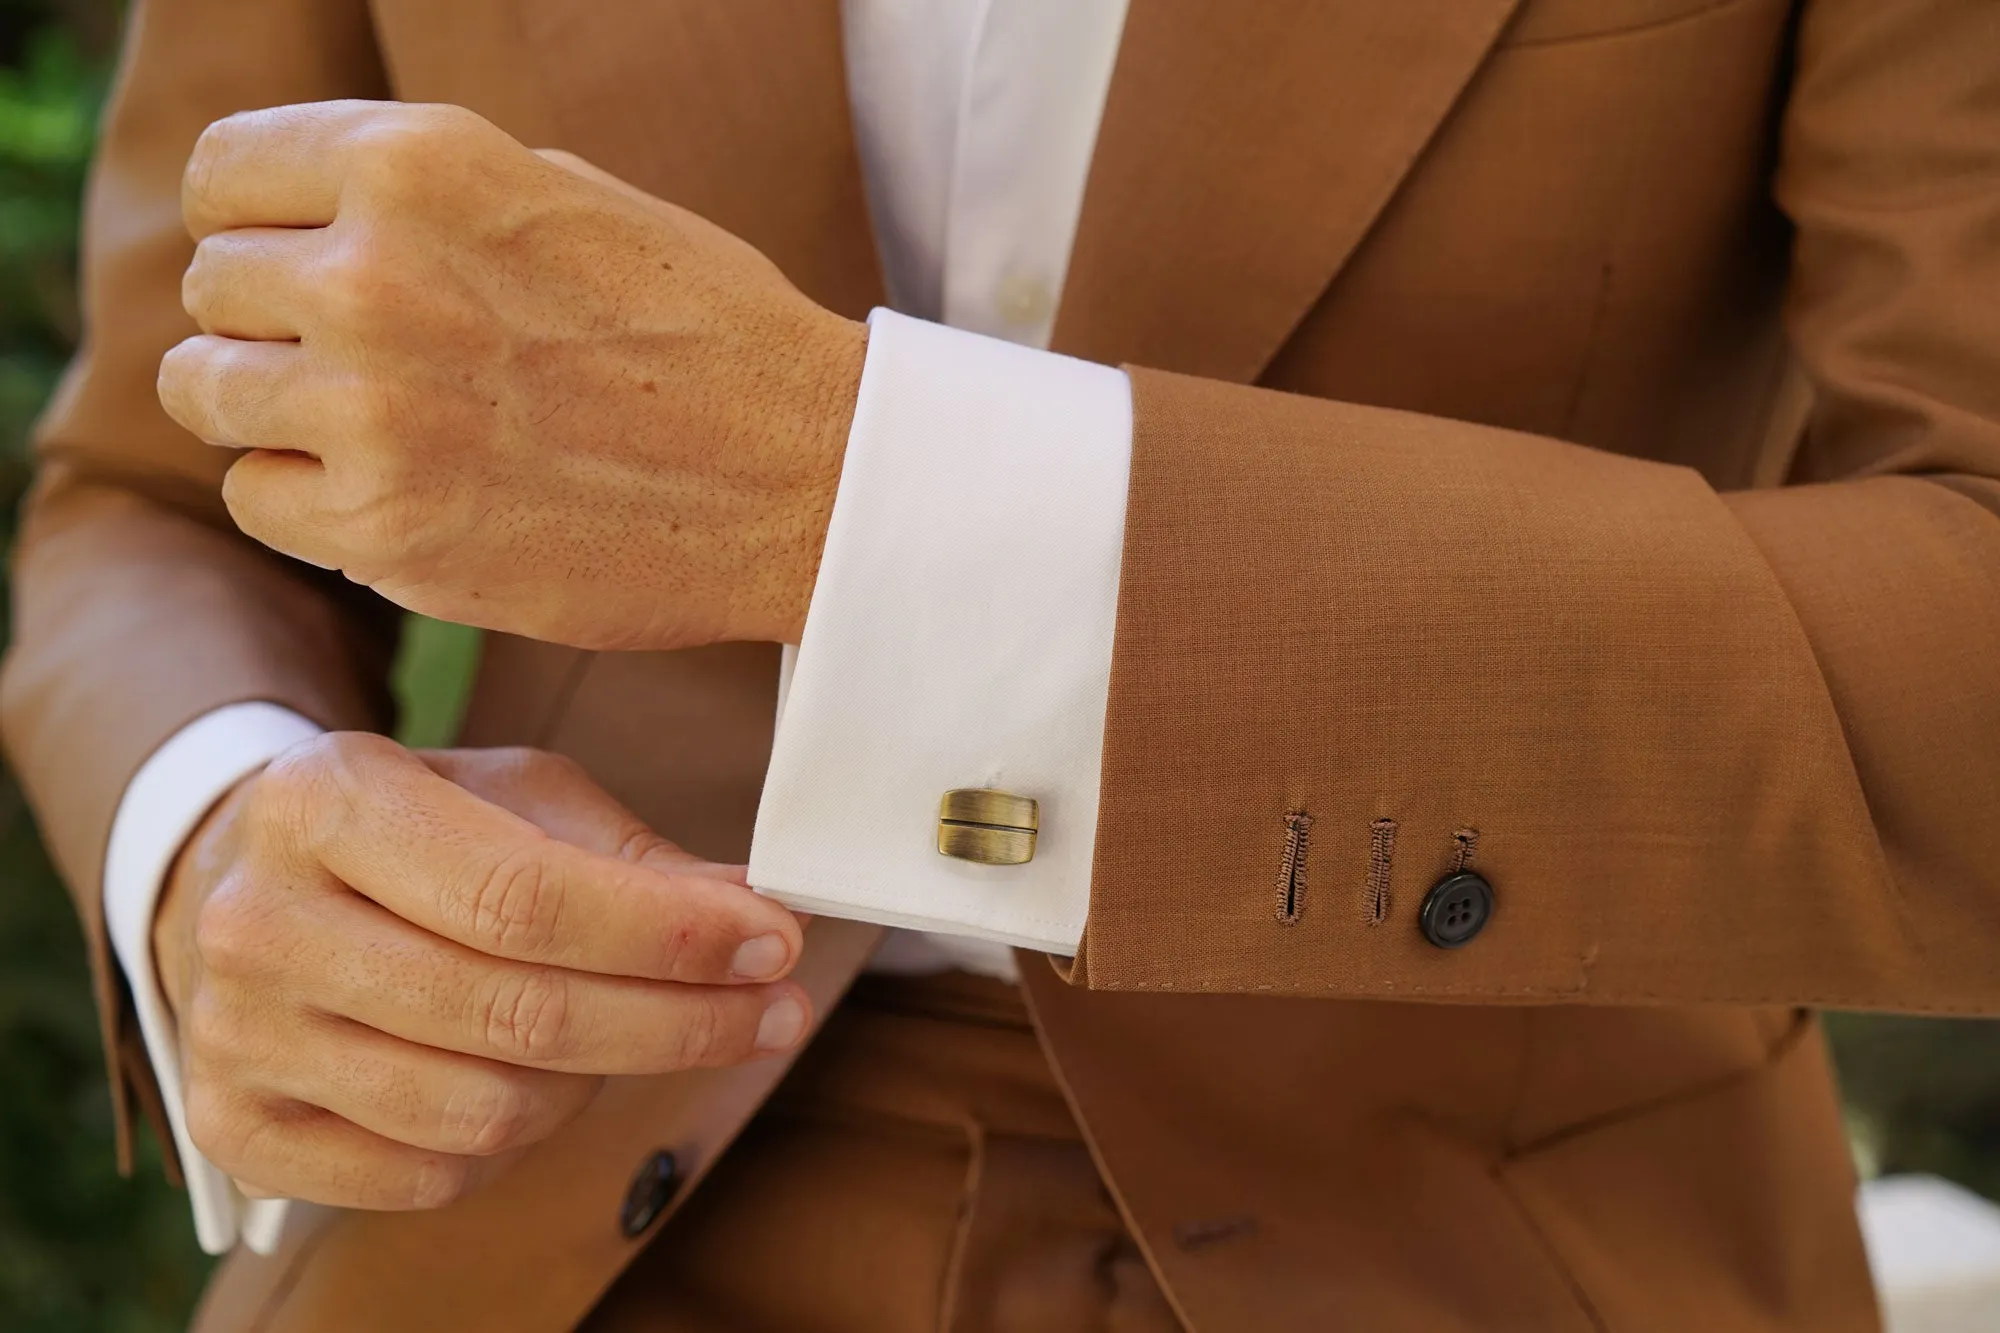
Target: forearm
[[137, 606], [1358, 651], [1398, 622], [1704, 747], [131, 620]]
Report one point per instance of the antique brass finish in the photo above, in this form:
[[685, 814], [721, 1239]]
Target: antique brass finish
[[994, 828]]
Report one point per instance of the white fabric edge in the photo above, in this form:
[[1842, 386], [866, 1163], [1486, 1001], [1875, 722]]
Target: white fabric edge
[[983, 490], [163, 803]]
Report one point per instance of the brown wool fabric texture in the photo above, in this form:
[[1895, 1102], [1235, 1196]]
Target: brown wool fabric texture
[[1573, 422]]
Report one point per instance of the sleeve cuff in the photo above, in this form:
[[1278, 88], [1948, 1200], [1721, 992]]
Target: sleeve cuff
[[166, 799], [959, 636]]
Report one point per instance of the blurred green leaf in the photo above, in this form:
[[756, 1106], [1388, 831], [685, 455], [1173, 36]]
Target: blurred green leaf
[[48, 105], [431, 679]]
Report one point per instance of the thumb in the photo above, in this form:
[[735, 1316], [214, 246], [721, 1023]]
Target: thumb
[[554, 793]]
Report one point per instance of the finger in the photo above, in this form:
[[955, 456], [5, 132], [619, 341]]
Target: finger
[[392, 977], [277, 1148], [254, 282], [556, 794], [278, 499], [291, 166], [437, 1100], [244, 395], [275, 167], [465, 869], [280, 166]]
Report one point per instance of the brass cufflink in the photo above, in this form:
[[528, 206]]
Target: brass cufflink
[[994, 828]]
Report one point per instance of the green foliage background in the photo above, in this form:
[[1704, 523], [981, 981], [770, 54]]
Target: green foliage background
[[81, 1249]]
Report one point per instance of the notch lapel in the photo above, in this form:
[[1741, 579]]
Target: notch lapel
[[1244, 153]]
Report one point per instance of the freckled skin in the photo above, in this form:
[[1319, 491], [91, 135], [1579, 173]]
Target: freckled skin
[[392, 972], [502, 387]]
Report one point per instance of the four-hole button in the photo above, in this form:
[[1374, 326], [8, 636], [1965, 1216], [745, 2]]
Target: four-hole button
[[1456, 910]]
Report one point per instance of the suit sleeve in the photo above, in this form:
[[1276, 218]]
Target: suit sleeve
[[1734, 747], [137, 606]]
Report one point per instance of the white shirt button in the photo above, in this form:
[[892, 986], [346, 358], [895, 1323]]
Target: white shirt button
[[1021, 300]]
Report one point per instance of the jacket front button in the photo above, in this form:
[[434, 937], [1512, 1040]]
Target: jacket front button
[[651, 1190], [1456, 909]]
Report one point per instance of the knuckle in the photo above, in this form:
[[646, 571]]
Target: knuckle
[[217, 1123], [355, 757], [299, 772], [309, 798], [213, 1032], [351, 761], [198, 370], [179, 382], [245, 502], [205, 278], [699, 1037], [391, 146], [527, 1016], [516, 910], [372, 509], [204, 163], [640, 845], [439, 1181], [289, 801], [528, 770], [410, 143], [545, 763], [357, 283], [490, 1117], [446, 120], [195, 282], [235, 933]]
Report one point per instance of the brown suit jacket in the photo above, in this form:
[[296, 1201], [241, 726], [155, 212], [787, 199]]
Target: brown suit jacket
[[1480, 335]]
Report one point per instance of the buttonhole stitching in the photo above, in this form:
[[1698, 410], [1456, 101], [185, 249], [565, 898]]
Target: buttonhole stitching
[[1466, 842], [1292, 868], [1381, 857]]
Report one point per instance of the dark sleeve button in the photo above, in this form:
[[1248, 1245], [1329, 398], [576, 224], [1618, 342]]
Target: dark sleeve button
[[652, 1189], [1456, 909]]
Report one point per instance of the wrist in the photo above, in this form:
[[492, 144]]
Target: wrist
[[796, 539]]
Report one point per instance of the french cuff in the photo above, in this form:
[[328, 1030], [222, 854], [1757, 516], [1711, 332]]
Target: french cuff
[[166, 799], [959, 637]]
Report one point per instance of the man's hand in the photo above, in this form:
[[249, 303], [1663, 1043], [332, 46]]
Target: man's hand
[[503, 391], [390, 971]]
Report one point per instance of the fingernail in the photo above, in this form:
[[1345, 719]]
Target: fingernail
[[782, 1025], [760, 959]]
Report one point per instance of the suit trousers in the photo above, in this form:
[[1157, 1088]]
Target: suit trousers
[[917, 1172]]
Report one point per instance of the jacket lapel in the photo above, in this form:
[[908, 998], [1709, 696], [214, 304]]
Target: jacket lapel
[[736, 111], [1244, 153]]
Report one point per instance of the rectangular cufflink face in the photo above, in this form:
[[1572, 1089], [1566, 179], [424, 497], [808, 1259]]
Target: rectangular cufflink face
[[994, 828]]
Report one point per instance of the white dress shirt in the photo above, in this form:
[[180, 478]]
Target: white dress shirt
[[960, 631]]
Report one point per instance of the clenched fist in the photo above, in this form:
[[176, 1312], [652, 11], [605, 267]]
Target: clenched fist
[[393, 971], [504, 391]]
